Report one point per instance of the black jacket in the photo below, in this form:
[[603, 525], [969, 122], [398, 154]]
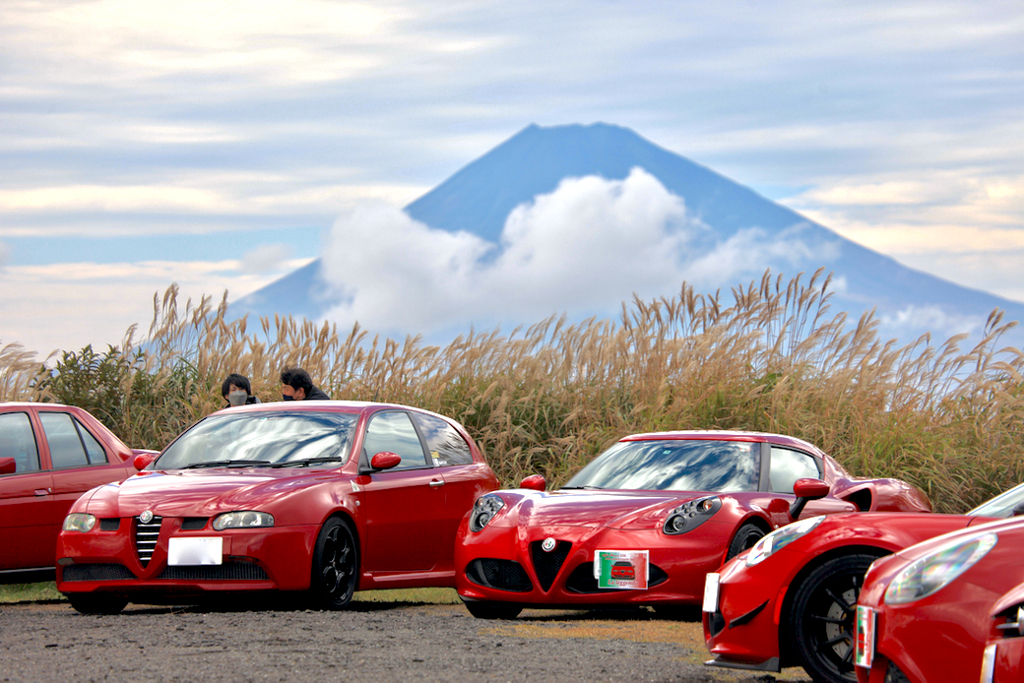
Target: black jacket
[[317, 395]]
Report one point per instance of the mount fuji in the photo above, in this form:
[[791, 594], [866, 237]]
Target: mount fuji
[[712, 232]]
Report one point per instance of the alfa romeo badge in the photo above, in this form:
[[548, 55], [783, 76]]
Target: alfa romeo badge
[[548, 545], [146, 517]]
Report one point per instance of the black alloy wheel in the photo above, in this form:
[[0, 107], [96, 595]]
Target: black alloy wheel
[[335, 565], [493, 610], [745, 538], [97, 603], [821, 618]]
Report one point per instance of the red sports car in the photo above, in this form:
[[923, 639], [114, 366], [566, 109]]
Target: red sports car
[[789, 601], [324, 497], [50, 454], [940, 610], [673, 504]]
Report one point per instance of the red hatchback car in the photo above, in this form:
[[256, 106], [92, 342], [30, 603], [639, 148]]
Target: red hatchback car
[[673, 504], [50, 454], [790, 600], [323, 497], [945, 609]]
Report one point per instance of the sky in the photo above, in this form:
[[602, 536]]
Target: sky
[[220, 145]]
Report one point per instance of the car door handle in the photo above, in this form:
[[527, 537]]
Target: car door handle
[[435, 483], [43, 492]]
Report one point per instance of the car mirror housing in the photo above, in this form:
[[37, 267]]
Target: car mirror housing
[[807, 489], [385, 460], [8, 466], [141, 462], [535, 482]]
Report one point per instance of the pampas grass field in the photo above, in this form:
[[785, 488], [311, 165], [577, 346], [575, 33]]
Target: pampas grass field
[[770, 356]]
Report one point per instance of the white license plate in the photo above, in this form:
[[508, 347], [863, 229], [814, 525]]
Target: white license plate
[[193, 551], [711, 586], [864, 638]]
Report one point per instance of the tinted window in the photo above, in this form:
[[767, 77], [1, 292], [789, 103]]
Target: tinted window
[[392, 431], [18, 442], [446, 445], [67, 447], [674, 466], [268, 439], [788, 466]]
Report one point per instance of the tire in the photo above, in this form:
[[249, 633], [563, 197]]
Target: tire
[[335, 571], [493, 610], [821, 618], [97, 604], [745, 538]]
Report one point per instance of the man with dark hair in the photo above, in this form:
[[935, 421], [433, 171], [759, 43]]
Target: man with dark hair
[[297, 385], [237, 391]]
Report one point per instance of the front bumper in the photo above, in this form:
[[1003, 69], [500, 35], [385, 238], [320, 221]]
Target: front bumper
[[115, 560], [509, 564]]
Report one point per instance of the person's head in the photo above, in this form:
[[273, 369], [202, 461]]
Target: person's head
[[236, 389], [296, 384]]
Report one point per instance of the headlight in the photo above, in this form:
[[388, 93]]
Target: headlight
[[691, 515], [79, 521], [484, 510], [242, 520], [937, 569], [780, 538]]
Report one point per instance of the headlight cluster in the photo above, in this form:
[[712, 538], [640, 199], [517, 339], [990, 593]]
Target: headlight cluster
[[691, 515], [242, 520], [937, 569], [780, 538], [79, 521], [484, 510]]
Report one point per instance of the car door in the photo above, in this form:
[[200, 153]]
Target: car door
[[788, 465], [27, 504], [403, 507]]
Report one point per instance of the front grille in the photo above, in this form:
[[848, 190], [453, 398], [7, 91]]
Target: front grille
[[145, 538], [547, 564], [230, 571], [97, 572], [504, 575], [582, 579]]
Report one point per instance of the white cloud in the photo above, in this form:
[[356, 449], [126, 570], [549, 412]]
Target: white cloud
[[5, 254], [68, 305], [584, 248], [942, 325], [265, 258]]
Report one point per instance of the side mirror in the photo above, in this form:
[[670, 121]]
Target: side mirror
[[8, 466], [806, 490], [535, 482], [142, 461], [385, 460], [1018, 509]]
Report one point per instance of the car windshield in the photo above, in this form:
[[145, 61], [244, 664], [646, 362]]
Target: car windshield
[[673, 465], [1002, 505], [263, 439]]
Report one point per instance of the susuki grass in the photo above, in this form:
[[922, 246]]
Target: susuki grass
[[769, 356]]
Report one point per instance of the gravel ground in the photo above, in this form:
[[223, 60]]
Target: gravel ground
[[370, 641]]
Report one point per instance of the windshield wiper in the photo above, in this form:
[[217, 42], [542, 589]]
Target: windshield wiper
[[310, 461], [588, 487], [227, 463]]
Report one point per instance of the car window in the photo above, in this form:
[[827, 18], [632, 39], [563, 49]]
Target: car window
[[674, 465], [18, 442], [1002, 505], [70, 444], [392, 431], [788, 466], [306, 439], [446, 445]]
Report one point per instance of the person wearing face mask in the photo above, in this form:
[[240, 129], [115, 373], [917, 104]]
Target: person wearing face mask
[[237, 391], [296, 385]]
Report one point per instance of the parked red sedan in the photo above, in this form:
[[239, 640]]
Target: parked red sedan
[[674, 505], [50, 454], [939, 610], [790, 600], [324, 497]]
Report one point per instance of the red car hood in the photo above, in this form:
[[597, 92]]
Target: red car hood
[[197, 493], [615, 509]]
